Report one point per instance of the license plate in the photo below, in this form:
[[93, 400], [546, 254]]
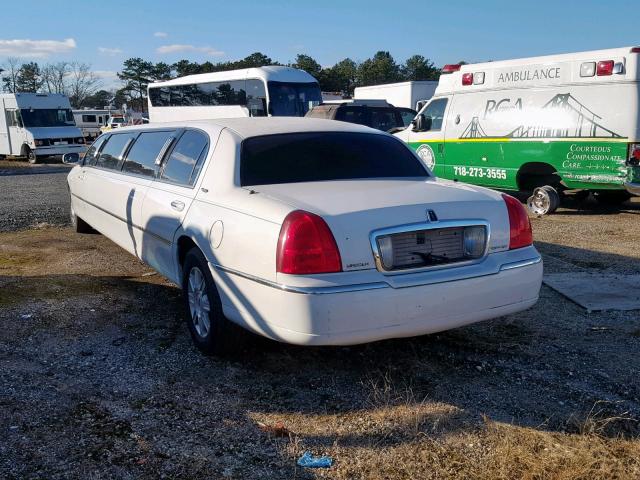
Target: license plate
[[61, 143]]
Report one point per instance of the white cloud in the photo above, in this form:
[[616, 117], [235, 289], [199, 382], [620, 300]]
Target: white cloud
[[161, 34], [105, 74], [35, 48], [109, 51], [108, 78], [178, 48]]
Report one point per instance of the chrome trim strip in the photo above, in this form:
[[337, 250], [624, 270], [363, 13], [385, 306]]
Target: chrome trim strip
[[303, 290], [146, 232], [520, 264], [412, 227], [367, 286]]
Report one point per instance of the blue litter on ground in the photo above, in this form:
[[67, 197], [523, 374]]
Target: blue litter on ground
[[307, 460]]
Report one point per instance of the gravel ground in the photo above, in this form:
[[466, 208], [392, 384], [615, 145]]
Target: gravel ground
[[30, 195], [99, 378]]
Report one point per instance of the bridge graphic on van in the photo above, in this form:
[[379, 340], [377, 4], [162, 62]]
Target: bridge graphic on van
[[585, 123]]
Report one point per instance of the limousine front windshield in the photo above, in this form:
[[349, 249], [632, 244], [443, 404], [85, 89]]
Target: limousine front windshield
[[322, 156]]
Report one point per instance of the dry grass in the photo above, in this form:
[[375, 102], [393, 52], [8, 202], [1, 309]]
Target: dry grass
[[401, 437]]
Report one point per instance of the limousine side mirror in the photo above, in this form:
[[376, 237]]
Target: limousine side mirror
[[421, 123], [71, 158]]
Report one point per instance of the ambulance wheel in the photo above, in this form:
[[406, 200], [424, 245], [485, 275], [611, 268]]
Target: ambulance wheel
[[611, 197], [544, 200], [31, 155]]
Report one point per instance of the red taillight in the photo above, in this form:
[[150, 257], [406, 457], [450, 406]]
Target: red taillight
[[306, 245], [467, 79], [634, 154], [520, 234], [450, 68], [604, 68]]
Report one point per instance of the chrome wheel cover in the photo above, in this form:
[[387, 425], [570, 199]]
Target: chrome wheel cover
[[540, 202], [199, 305]]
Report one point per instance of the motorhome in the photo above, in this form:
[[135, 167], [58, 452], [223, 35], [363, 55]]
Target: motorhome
[[34, 125], [91, 121], [252, 92], [412, 94], [545, 125]]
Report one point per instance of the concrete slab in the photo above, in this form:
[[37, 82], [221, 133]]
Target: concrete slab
[[597, 292]]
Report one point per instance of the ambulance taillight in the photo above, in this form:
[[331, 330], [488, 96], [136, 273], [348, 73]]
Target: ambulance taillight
[[634, 155], [604, 68]]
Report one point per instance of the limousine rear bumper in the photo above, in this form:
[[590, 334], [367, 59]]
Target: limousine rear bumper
[[364, 313]]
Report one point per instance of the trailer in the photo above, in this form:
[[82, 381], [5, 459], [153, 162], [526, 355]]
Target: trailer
[[91, 121], [404, 94]]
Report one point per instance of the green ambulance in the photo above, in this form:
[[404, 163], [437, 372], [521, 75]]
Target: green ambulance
[[545, 125]]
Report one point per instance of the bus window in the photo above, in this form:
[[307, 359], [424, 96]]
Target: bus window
[[290, 99], [256, 98]]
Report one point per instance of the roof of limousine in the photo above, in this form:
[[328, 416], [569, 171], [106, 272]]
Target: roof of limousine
[[251, 126]]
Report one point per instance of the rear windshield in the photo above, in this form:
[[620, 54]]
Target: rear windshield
[[319, 156]]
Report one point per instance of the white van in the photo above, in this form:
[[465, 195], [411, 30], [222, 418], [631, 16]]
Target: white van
[[90, 122], [412, 94], [543, 125], [36, 125], [250, 92]]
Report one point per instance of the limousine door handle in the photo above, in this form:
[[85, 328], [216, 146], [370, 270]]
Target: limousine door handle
[[177, 205]]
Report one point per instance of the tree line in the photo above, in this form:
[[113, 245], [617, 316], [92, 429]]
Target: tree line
[[74, 79], [83, 87]]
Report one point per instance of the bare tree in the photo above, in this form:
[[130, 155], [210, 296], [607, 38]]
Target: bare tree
[[55, 76], [82, 82], [10, 74]]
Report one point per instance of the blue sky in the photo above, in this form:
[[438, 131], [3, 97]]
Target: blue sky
[[106, 33]]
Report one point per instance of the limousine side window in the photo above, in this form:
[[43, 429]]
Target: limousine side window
[[91, 155], [112, 153], [185, 160], [141, 159]]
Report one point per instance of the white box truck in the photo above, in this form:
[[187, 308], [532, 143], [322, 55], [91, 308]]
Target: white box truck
[[34, 125], [404, 94], [543, 125]]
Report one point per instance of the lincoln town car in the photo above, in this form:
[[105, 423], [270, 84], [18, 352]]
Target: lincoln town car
[[306, 231]]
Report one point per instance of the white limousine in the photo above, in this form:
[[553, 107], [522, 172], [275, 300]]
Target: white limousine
[[313, 232]]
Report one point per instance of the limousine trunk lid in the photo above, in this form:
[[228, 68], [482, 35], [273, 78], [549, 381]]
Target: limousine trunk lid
[[355, 208]]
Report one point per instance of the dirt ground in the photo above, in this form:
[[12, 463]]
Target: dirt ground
[[99, 379]]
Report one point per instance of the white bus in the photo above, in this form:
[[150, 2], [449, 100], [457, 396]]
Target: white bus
[[36, 125], [251, 92], [91, 121]]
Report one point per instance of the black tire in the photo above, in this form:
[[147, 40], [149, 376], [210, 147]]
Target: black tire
[[31, 156], [545, 200], [222, 337], [611, 197]]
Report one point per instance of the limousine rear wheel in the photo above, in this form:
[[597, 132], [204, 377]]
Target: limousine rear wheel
[[211, 331]]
